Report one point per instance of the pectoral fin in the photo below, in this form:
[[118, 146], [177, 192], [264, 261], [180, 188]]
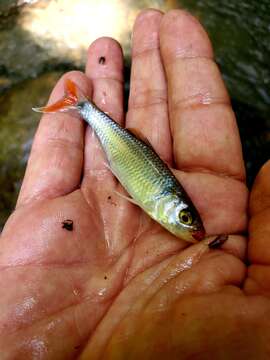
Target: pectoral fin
[[126, 197]]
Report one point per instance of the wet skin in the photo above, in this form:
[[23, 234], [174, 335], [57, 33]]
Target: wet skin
[[119, 286]]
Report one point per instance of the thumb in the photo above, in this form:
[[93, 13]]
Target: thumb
[[258, 280]]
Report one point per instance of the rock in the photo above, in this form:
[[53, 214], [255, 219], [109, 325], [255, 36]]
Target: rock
[[45, 34]]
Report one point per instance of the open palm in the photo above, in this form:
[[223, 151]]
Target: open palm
[[118, 285]]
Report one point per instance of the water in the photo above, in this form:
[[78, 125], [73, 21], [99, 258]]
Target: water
[[38, 43]]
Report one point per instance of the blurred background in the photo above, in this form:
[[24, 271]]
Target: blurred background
[[41, 39]]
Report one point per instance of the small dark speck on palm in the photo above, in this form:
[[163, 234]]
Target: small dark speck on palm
[[110, 201], [67, 224], [102, 60]]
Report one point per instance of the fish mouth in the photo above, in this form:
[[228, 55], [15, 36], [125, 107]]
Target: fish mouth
[[198, 235]]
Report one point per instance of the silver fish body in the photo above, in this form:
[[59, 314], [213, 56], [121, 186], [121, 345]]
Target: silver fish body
[[144, 175]]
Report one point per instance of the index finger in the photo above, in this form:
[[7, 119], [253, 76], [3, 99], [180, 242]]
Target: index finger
[[204, 130], [55, 164]]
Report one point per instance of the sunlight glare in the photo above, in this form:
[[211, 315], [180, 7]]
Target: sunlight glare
[[67, 25]]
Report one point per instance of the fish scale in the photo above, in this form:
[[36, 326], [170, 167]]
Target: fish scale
[[130, 159]]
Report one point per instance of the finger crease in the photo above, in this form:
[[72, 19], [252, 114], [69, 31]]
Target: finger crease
[[57, 142], [145, 52], [148, 105], [200, 99], [45, 193], [203, 170], [189, 57], [109, 78], [147, 98]]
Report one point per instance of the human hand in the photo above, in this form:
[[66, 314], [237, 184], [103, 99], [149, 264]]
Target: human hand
[[118, 285]]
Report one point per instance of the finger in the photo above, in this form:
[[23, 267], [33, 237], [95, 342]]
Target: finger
[[147, 111], [260, 195], [218, 268], [105, 69], [258, 280], [98, 183], [204, 130], [55, 164], [259, 227]]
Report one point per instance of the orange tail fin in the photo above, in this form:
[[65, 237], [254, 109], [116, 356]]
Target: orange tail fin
[[68, 102]]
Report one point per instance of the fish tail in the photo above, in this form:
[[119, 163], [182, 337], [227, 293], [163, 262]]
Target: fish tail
[[73, 95]]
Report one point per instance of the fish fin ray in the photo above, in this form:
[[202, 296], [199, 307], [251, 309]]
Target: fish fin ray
[[126, 197], [72, 90], [67, 103], [107, 166]]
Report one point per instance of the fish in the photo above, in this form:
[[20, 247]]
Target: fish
[[147, 179]]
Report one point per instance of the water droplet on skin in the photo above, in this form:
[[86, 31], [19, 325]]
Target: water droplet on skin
[[53, 324], [206, 98], [38, 349], [25, 306], [102, 292], [103, 100], [76, 292], [189, 262]]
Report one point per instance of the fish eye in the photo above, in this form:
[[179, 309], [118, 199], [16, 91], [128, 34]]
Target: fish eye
[[185, 217]]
